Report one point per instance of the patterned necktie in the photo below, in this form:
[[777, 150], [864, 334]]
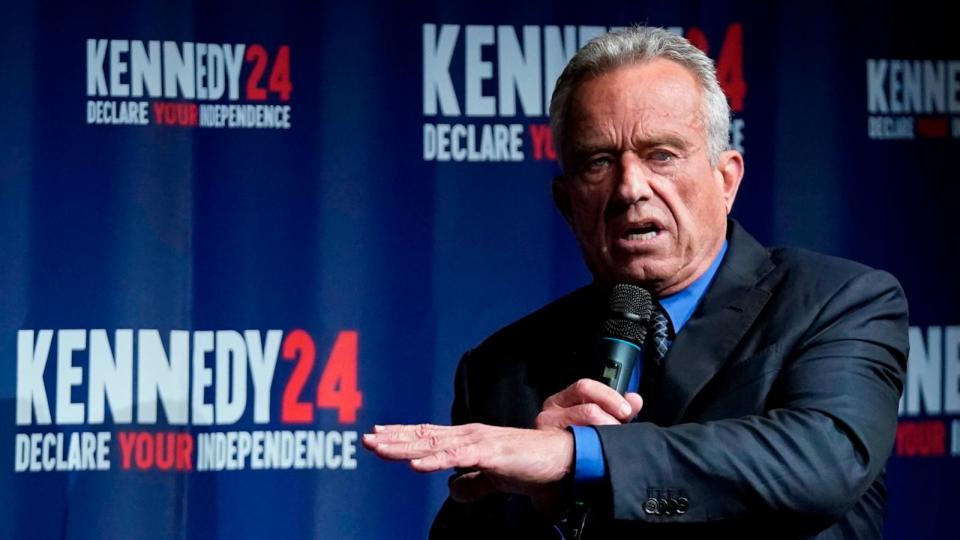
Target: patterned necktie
[[655, 348], [658, 335]]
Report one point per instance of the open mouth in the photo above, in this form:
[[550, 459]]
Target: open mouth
[[647, 231]]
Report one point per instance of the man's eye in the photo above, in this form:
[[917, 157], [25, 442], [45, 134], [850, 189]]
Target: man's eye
[[598, 163], [661, 155]]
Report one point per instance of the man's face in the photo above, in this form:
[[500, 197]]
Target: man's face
[[644, 202]]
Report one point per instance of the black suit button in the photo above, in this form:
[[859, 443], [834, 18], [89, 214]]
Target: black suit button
[[671, 506], [662, 507], [650, 506], [683, 504]]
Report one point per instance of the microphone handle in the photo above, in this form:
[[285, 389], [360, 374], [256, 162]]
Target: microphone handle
[[617, 359]]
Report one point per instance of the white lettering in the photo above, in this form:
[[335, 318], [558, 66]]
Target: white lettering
[[437, 85], [31, 363], [520, 70], [159, 378], [178, 70], [263, 361], [478, 70], [96, 77], [951, 364], [111, 377], [68, 375], [923, 377], [202, 412], [231, 390], [145, 69], [118, 66]]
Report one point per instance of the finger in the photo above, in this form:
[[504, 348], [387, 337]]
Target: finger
[[585, 414], [591, 391], [411, 433], [470, 487], [395, 428], [590, 414], [636, 403], [419, 448], [404, 435], [448, 458]]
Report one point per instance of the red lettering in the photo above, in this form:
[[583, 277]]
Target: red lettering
[[338, 383], [279, 81], [928, 126], [158, 107], [126, 446], [298, 345], [175, 114], [184, 452], [542, 138], [730, 67], [144, 455], [258, 55], [164, 450], [922, 438], [698, 39]]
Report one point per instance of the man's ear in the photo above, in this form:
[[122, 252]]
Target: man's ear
[[729, 172], [561, 198]]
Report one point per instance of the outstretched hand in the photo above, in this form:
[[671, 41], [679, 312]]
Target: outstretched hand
[[532, 462]]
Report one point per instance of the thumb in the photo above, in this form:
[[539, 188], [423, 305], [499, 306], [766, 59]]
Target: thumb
[[636, 403]]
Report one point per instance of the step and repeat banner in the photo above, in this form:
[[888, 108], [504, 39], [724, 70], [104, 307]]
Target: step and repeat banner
[[236, 235]]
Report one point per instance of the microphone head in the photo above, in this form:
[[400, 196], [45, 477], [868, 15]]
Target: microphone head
[[628, 313]]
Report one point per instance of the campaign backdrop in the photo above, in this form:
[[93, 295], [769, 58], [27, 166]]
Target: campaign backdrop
[[236, 235]]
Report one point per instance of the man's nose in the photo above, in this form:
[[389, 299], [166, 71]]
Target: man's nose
[[634, 183]]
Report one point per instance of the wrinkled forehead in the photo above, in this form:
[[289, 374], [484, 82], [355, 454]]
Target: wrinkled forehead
[[651, 97]]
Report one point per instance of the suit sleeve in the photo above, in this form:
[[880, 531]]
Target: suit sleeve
[[823, 438]]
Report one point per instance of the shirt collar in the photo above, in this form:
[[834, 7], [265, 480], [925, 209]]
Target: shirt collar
[[681, 305]]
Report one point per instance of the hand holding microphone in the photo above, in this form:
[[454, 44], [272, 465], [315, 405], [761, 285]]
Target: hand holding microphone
[[605, 400]]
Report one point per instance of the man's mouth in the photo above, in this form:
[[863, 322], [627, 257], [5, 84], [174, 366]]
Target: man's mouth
[[641, 233]]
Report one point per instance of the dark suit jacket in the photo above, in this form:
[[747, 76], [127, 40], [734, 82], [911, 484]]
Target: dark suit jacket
[[773, 416]]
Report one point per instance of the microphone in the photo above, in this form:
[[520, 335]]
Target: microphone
[[618, 348], [617, 351]]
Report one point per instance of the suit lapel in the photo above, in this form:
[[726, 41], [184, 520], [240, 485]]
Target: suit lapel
[[727, 310]]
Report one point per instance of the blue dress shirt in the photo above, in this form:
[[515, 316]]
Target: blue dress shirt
[[589, 465]]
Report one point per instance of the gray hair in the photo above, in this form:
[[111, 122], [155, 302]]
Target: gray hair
[[638, 44]]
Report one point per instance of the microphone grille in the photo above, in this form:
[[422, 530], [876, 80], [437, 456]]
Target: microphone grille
[[629, 310]]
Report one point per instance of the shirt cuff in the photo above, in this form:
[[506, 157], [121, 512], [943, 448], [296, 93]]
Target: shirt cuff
[[589, 465]]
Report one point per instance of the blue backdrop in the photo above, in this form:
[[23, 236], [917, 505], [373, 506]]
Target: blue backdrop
[[379, 171]]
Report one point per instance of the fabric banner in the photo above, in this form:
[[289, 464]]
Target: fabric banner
[[237, 235]]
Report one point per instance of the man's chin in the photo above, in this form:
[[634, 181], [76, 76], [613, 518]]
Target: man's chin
[[642, 277]]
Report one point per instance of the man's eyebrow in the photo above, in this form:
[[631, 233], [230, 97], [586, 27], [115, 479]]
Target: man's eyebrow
[[587, 147], [591, 148], [666, 139]]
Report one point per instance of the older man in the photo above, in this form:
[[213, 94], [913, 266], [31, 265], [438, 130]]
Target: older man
[[772, 412]]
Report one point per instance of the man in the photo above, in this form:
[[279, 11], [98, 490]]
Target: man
[[774, 410]]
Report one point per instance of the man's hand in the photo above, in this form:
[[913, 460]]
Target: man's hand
[[530, 462], [588, 403]]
